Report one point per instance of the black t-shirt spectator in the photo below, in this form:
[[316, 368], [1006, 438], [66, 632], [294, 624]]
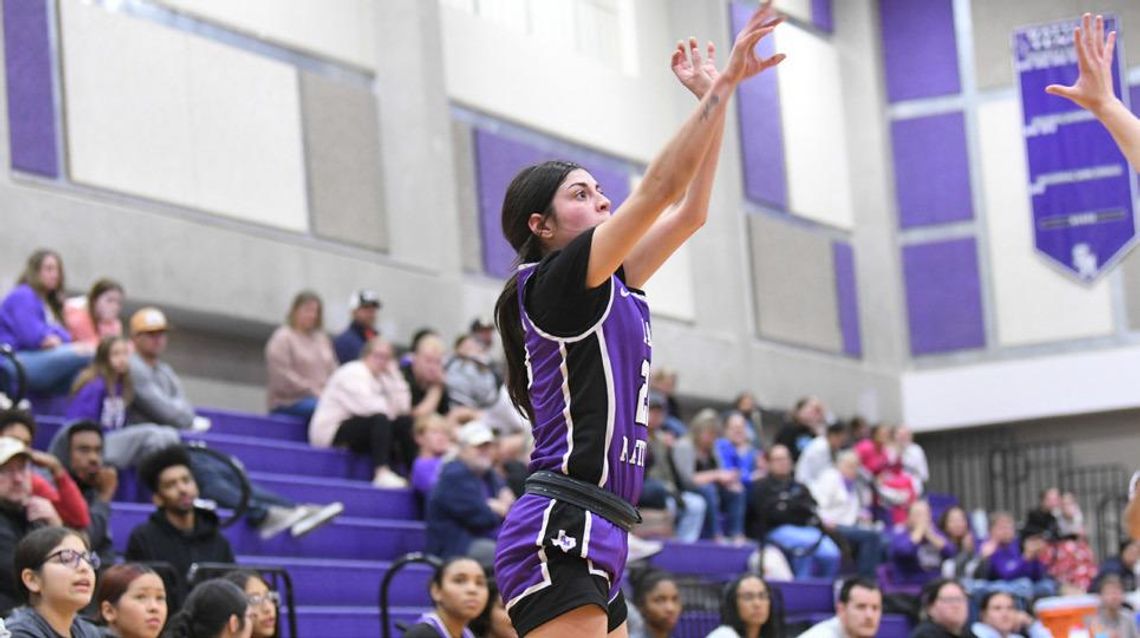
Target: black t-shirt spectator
[[418, 392]]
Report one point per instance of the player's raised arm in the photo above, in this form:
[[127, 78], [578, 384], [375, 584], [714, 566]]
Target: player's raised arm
[[1093, 88], [671, 172]]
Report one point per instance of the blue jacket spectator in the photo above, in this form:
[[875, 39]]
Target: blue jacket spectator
[[469, 500], [31, 322], [365, 305], [735, 451]]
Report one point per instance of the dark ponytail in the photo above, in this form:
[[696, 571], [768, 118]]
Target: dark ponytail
[[207, 610], [531, 191]]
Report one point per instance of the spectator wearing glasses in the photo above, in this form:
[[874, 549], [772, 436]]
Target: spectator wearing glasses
[[131, 601], [945, 609], [55, 573], [263, 601], [746, 610], [20, 513]]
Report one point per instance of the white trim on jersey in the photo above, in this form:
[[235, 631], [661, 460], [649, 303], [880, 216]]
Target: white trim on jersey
[[541, 542], [562, 367], [597, 572], [611, 407], [613, 281], [585, 553]]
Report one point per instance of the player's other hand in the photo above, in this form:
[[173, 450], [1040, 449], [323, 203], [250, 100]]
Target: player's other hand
[[1093, 88]]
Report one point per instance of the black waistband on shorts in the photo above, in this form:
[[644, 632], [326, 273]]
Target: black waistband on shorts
[[585, 495]]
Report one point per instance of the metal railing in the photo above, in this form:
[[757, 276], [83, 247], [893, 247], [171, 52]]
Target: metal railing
[[386, 582]]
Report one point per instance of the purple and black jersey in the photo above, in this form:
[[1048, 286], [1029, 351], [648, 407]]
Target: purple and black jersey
[[590, 392], [587, 357]]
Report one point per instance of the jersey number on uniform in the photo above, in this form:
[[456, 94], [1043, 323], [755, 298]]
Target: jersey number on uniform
[[642, 417]]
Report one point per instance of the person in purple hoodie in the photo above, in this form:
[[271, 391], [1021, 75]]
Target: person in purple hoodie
[[917, 548], [31, 323], [1013, 567]]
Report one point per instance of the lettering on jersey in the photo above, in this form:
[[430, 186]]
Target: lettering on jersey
[[636, 456], [648, 336], [564, 542], [642, 417]]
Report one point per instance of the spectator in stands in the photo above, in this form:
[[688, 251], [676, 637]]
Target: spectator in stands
[[469, 501], [842, 510], [917, 549], [472, 382], [459, 592], [20, 513], [912, 457], [1070, 560], [93, 317], [700, 466], [159, 397], [858, 611], [178, 532], [858, 428], [945, 610], [1124, 564], [263, 601], [745, 403], [364, 305], [819, 455], [365, 407], [664, 380], [1012, 561], [424, 374], [878, 453], [735, 451], [1070, 518], [667, 486], [131, 601], [434, 439], [808, 421], [657, 603], [495, 621], [31, 322], [55, 573], [954, 526], [998, 617], [216, 608], [103, 390], [81, 453], [299, 359], [50, 479], [746, 610], [894, 488], [1112, 617], [783, 512]]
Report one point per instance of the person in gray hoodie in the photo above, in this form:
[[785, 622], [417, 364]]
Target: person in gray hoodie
[[79, 447], [55, 572]]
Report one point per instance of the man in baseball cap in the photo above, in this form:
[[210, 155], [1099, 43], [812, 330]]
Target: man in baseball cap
[[20, 513], [159, 397], [365, 306]]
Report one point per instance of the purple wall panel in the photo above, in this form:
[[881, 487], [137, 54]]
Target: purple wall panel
[[932, 170], [821, 15], [761, 136], [1134, 97], [31, 114], [920, 55], [847, 295], [498, 159], [943, 296]]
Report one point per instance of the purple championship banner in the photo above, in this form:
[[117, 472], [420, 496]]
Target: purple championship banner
[[1080, 185]]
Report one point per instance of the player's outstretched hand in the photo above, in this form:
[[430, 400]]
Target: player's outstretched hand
[[1093, 89], [743, 62], [695, 73]]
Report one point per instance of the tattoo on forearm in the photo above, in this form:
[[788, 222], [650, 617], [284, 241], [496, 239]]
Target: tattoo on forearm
[[710, 106]]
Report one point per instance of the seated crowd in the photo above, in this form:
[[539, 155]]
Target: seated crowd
[[821, 498]]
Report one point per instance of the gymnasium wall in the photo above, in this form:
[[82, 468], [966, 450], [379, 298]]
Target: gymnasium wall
[[869, 236]]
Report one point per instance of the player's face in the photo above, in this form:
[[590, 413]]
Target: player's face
[[579, 205]]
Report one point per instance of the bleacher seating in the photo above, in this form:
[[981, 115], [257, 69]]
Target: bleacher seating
[[336, 570]]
